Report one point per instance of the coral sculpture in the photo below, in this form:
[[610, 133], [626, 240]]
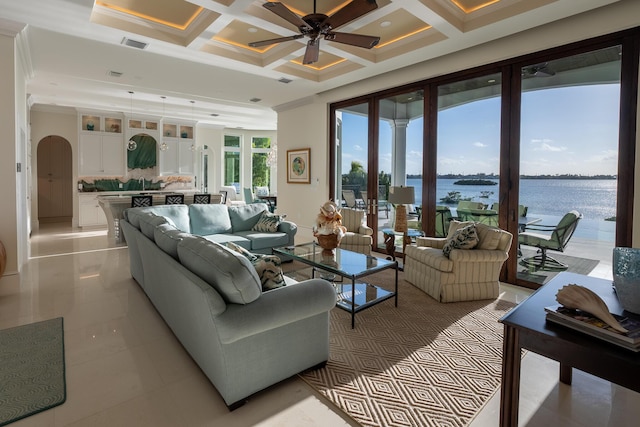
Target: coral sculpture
[[329, 229]]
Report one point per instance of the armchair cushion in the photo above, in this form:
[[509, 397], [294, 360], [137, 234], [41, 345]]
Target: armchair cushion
[[463, 238], [358, 236], [488, 237]]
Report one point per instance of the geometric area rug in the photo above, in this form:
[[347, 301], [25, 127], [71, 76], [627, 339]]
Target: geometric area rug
[[32, 369], [423, 363]]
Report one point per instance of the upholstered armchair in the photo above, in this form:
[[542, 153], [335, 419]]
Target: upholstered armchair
[[358, 237], [467, 274]]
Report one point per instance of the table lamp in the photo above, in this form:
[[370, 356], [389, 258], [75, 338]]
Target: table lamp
[[400, 197]]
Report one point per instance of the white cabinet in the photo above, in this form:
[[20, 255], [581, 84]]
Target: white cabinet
[[90, 213], [101, 145], [101, 154], [179, 156]]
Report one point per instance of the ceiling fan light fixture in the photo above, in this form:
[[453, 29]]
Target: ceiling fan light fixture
[[317, 25]]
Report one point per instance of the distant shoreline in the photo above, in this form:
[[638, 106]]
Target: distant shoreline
[[483, 176]]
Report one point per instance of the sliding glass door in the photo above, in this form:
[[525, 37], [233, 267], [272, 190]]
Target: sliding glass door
[[569, 136], [400, 153], [468, 147]]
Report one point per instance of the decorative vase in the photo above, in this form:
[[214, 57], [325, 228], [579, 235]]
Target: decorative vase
[[90, 125], [328, 241], [626, 277], [184, 134]]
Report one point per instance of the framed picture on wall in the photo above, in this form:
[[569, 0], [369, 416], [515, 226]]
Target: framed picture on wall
[[298, 166]]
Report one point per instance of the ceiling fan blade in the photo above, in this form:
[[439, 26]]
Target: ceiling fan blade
[[274, 41], [353, 39], [351, 11], [313, 51], [285, 13]]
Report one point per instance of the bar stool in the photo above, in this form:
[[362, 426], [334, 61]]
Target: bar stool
[[174, 199], [141, 201], [202, 199]]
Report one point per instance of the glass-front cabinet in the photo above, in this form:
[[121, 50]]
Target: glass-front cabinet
[[177, 150], [101, 145]]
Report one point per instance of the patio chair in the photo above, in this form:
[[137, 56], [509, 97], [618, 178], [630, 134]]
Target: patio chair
[[443, 219], [249, 197], [483, 216], [351, 201], [231, 195], [522, 209], [556, 241]]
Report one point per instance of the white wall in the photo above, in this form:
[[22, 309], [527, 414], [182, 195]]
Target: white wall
[[306, 124], [8, 144]]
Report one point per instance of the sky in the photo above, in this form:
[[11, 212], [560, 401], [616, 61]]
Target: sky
[[566, 130]]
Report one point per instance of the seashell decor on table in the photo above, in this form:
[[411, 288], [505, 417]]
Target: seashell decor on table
[[580, 298]]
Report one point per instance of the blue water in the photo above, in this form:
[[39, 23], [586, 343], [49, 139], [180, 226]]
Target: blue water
[[549, 199]]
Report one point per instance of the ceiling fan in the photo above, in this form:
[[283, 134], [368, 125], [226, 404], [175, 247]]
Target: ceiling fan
[[317, 25]]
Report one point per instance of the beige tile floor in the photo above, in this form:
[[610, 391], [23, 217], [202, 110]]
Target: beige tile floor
[[125, 368]]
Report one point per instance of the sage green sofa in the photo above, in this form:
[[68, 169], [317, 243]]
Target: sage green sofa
[[243, 339]]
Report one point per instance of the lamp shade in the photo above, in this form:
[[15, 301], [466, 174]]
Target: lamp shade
[[402, 195]]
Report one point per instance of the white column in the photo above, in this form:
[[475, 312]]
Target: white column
[[399, 150]]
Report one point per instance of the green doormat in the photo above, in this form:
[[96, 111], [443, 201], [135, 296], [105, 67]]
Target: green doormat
[[32, 375]]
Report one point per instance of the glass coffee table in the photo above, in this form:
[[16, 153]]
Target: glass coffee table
[[355, 296]]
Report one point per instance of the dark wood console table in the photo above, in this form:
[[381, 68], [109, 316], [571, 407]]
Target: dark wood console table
[[525, 327]]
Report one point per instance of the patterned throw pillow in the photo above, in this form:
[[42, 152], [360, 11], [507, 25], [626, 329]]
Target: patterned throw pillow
[[267, 267], [463, 238], [268, 223]]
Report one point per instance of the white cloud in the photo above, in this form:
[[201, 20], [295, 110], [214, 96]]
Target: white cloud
[[549, 147], [480, 145]]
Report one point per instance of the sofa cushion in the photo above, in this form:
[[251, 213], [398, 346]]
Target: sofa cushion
[[244, 217], [464, 238], [167, 238], [268, 222], [268, 267], [149, 222], [209, 219], [177, 214], [228, 272]]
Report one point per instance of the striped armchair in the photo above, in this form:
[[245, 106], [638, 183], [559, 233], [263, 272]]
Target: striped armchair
[[468, 274], [358, 237]]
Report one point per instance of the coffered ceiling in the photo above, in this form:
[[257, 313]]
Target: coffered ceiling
[[90, 54]]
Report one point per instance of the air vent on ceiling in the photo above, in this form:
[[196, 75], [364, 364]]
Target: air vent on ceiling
[[285, 80], [214, 114], [255, 100], [134, 43], [112, 73]]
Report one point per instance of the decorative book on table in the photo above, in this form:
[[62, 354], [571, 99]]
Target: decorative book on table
[[585, 322]]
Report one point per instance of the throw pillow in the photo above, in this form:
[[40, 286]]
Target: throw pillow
[[268, 223], [268, 267], [464, 238]]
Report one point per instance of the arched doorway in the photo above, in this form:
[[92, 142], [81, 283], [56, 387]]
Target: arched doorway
[[55, 198]]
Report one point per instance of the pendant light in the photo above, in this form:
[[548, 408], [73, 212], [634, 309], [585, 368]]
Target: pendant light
[[193, 144], [163, 146], [131, 144]]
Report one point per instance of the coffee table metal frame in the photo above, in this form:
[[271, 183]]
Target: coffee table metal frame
[[350, 265]]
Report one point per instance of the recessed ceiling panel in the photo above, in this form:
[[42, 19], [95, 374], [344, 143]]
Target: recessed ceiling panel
[[325, 60], [468, 6], [240, 33], [394, 27], [176, 14]]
